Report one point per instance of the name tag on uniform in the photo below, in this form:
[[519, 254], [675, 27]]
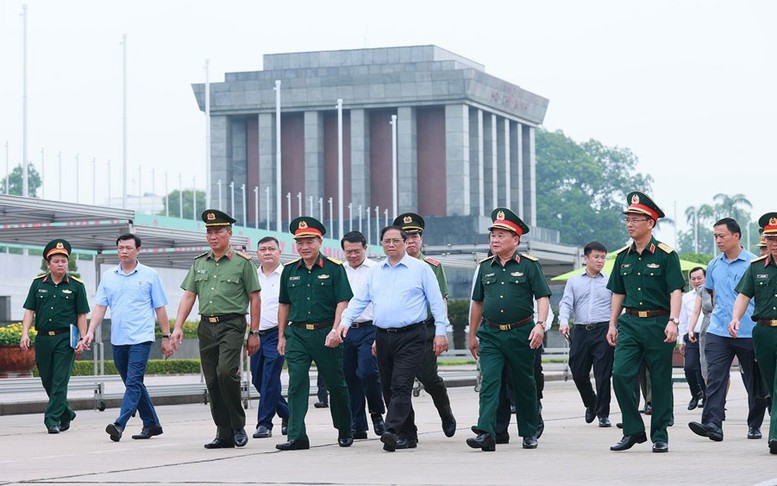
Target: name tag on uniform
[[323, 276], [296, 277], [517, 274], [488, 275], [762, 275], [625, 265], [43, 291], [653, 265], [66, 291]]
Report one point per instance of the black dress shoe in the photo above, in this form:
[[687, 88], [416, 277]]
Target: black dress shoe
[[54, 429], [590, 414], [604, 422], [529, 442], [540, 426], [262, 432], [449, 425], [483, 442], [220, 444], [378, 425], [693, 403], [389, 440], [712, 431], [239, 437], [285, 426], [619, 425], [752, 433], [346, 440], [114, 431], [359, 435], [773, 446], [503, 438], [648, 409], [321, 405], [148, 432], [660, 446], [294, 445], [64, 424], [628, 441], [405, 443]]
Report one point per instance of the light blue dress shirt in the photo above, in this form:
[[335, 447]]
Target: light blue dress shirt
[[399, 295], [723, 277], [132, 298], [586, 300]]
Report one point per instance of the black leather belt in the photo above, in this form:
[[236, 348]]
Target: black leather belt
[[264, 332], [312, 326], [357, 325], [221, 318], [594, 326], [512, 325], [54, 332], [647, 313], [401, 329]]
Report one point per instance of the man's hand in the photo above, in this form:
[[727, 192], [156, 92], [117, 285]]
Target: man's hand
[[374, 349], [24, 342], [167, 348], [682, 350], [691, 338], [252, 344], [342, 331], [440, 345], [536, 335], [333, 339], [176, 338], [564, 331], [281, 344], [670, 331], [473, 345], [612, 335], [733, 327]]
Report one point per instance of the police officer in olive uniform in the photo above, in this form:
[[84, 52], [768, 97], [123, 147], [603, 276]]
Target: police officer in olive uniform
[[413, 224], [760, 282], [55, 301], [226, 284], [314, 291], [646, 283], [503, 295]]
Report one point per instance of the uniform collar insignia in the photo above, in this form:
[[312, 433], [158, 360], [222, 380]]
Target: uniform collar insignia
[[652, 248]]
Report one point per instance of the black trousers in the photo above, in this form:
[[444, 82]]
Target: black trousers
[[430, 378], [399, 356], [692, 368], [503, 414], [322, 392], [720, 352], [589, 348]]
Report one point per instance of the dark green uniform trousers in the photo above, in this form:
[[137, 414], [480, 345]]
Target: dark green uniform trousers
[[765, 345], [303, 347], [642, 338], [54, 358], [220, 346], [430, 378], [496, 349]]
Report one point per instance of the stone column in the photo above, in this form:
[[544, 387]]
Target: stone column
[[219, 158], [314, 157], [516, 136], [457, 159], [360, 160], [267, 166], [407, 161], [481, 168], [529, 176], [237, 165], [506, 183]]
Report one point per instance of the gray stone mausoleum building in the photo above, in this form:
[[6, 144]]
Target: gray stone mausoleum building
[[465, 139]]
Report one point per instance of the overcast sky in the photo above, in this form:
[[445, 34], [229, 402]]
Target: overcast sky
[[689, 86]]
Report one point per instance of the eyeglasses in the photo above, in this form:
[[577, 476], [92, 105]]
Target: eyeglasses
[[634, 220], [393, 241]]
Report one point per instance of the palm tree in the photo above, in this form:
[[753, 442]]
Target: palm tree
[[695, 217], [732, 207]]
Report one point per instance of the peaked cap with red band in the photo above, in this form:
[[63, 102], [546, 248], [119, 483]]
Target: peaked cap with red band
[[306, 227], [56, 247], [505, 219], [769, 223], [214, 218], [410, 222], [641, 203]]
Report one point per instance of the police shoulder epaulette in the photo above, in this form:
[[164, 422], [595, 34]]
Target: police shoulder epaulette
[[76, 278], [529, 257], [665, 247], [486, 259], [334, 260], [244, 255], [201, 255], [433, 262], [621, 250], [760, 258]]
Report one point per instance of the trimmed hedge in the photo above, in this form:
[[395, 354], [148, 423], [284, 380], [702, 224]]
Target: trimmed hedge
[[155, 367]]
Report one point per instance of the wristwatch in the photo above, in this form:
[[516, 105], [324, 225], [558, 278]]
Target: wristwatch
[[254, 333], [675, 320], [540, 323]]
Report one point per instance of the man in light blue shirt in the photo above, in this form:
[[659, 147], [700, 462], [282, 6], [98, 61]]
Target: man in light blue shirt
[[723, 275], [399, 288], [136, 297]]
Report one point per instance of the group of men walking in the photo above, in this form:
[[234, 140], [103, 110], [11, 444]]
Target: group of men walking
[[372, 329]]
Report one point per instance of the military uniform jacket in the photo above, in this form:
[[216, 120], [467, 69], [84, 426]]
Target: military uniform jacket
[[439, 273], [314, 294], [508, 292], [56, 306], [648, 278], [760, 281], [222, 286]]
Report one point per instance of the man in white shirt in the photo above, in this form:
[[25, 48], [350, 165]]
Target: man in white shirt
[[690, 350], [266, 364], [359, 364]]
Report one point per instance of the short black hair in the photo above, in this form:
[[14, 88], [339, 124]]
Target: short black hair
[[128, 236], [268, 239], [353, 237], [731, 224], [594, 246], [696, 269], [402, 232]]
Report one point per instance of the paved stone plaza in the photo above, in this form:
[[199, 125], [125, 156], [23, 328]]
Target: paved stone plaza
[[570, 452]]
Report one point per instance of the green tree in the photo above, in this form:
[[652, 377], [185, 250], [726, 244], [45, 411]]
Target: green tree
[[735, 206], [582, 188], [15, 187], [699, 218], [174, 200]]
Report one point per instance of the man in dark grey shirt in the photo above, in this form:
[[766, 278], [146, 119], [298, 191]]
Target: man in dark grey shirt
[[586, 303]]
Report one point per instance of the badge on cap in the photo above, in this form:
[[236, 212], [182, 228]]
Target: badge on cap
[[772, 221], [407, 219], [302, 225], [635, 199], [60, 245], [500, 216], [211, 217]]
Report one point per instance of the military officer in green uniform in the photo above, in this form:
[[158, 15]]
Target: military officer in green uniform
[[505, 287], [413, 224], [646, 284], [314, 291], [55, 301], [226, 284], [760, 282]]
